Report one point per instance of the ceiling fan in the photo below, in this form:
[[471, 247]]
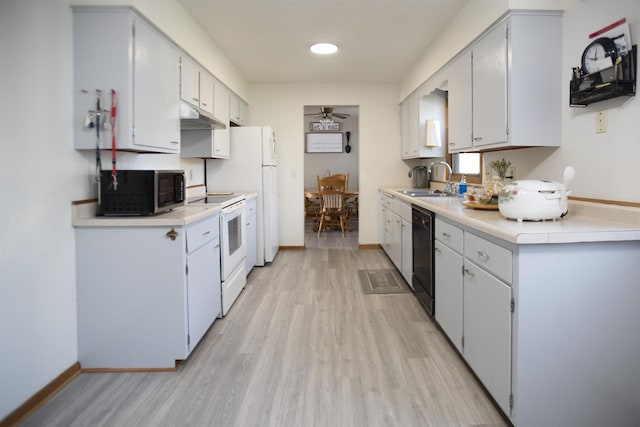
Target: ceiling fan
[[326, 114]]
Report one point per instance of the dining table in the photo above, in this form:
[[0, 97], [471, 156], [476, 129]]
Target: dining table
[[351, 195]]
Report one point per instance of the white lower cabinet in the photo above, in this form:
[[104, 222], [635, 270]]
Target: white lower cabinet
[[395, 233], [487, 331], [146, 295], [473, 304], [252, 236], [448, 276]]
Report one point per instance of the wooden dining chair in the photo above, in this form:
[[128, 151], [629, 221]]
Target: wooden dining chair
[[332, 203]]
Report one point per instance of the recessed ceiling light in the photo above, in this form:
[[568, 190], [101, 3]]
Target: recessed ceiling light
[[323, 48]]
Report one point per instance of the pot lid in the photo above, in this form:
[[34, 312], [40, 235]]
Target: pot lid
[[536, 185]]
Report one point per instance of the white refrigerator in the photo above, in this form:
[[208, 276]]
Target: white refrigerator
[[252, 168]]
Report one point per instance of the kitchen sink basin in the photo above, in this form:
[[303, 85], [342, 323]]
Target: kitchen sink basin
[[425, 193]]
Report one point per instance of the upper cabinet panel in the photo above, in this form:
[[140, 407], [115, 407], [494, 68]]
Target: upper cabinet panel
[[143, 69]]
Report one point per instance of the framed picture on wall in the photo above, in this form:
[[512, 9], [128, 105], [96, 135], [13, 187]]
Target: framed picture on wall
[[324, 142], [319, 126]]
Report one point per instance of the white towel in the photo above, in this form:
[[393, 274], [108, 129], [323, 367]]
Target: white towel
[[432, 134]]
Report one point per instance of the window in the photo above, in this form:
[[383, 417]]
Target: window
[[467, 164]]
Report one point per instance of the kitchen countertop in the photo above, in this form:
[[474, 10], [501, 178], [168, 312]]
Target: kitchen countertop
[[585, 222], [83, 215]]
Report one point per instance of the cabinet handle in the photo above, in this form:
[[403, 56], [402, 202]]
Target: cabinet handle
[[477, 138], [451, 144], [446, 235], [203, 103], [206, 233], [195, 99], [437, 250], [172, 234], [175, 142], [467, 271], [483, 256]]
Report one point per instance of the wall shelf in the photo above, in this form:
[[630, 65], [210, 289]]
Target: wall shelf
[[619, 80]]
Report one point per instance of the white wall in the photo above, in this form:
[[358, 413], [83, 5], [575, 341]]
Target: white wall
[[606, 164], [282, 106], [40, 174]]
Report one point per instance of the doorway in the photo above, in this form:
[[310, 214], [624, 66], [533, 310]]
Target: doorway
[[324, 155]]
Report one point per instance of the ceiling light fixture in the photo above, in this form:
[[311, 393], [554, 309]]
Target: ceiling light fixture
[[323, 48]]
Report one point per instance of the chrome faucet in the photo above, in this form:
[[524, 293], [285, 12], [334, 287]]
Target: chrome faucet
[[449, 185]]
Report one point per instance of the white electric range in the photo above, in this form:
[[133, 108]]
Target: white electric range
[[233, 242]]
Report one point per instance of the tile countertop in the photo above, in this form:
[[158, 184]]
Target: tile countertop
[[84, 215], [585, 222]]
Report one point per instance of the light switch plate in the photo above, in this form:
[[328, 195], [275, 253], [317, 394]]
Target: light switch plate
[[602, 121]]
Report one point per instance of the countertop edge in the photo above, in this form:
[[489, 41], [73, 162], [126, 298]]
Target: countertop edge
[[84, 216], [582, 229]]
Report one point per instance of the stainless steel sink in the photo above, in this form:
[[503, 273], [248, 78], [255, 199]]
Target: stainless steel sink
[[425, 193]]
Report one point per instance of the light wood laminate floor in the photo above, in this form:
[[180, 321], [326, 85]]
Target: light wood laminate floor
[[302, 346]]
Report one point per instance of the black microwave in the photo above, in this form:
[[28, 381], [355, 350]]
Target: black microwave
[[141, 192]]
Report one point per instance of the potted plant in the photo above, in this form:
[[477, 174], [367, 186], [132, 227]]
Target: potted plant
[[501, 167]]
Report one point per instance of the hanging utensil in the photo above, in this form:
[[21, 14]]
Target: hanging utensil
[[347, 148]]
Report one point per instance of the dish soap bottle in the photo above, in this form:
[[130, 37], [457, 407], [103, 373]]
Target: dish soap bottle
[[462, 187]]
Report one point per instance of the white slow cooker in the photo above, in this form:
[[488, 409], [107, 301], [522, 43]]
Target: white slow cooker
[[533, 200]]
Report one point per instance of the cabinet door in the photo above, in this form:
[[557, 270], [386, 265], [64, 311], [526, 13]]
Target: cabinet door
[[407, 251], [395, 234], [157, 97], [203, 290], [414, 126], [487, 331], [490, 88], [459, 98], [448, 277], [382, 221], [189, 82], [221, 102], [404, 120], [206, 93]]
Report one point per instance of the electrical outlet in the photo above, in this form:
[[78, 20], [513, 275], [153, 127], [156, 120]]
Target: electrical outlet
[[190, 175], [512, 173], [602, 121]]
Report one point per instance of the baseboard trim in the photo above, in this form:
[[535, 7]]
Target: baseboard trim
[[292, 248], [41, 397], [370, 246], [129, 370]]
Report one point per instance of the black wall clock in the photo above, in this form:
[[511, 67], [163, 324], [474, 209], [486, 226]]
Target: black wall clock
[[596, 51]]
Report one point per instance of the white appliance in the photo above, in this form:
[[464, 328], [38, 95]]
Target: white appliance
[[535, 199], [233, 241], [252, 168]]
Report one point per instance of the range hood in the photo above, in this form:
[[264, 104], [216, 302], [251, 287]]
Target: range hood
[[192, 118]]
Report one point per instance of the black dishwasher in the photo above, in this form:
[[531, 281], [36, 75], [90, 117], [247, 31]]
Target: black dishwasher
[[423, 272]]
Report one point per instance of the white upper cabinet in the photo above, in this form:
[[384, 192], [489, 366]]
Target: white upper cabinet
[[140, 65], [427, 104], [221, 137], [237, 110], [196, 85], [459, 99], [206, 92], [189, 82], [516, 98]]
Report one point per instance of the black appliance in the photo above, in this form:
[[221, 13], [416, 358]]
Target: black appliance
[[423, 272], [141, 192]]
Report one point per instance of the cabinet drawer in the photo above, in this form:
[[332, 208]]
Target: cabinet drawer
[[202, 232], [389, 202], [250, 207], [449, 234], [488, 255]]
